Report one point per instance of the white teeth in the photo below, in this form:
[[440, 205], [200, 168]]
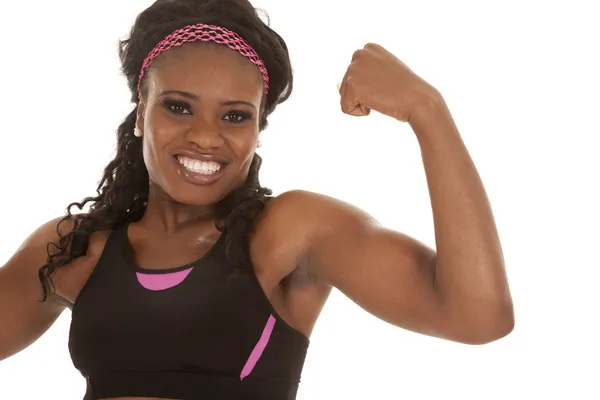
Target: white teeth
[[198, 166]]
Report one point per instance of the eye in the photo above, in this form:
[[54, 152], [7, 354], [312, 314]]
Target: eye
[[177, 107], [237, 117]]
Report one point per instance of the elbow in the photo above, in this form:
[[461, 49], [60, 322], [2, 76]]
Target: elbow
[[496, 324], [490, 335]]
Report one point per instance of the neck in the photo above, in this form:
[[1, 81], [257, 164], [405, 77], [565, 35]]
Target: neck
[[165, 214]]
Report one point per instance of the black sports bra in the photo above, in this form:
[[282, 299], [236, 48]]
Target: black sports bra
[[192, 332]]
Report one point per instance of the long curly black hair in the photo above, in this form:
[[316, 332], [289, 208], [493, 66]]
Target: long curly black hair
[[122, 193]]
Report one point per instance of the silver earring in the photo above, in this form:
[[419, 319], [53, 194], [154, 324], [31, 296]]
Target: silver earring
[[138, 132]]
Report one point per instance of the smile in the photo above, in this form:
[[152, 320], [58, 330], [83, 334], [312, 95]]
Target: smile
[[199, 172], [200, 167]]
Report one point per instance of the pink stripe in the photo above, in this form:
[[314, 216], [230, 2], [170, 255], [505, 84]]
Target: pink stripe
[[162, 281], [259, 348]]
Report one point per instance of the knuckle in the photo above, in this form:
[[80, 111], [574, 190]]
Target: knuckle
[[357, 54]]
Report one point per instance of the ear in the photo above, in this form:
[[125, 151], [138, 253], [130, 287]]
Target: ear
[[139, 119]]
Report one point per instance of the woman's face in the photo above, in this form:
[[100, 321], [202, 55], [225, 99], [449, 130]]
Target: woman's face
[[200, 122]]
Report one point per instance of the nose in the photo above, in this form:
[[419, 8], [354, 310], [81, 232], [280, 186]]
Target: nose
[[205, 134]]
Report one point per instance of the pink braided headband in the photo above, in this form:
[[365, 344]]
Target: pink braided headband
[[205, 33]]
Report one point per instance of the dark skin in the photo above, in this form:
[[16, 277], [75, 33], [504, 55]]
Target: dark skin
[[305, 243]]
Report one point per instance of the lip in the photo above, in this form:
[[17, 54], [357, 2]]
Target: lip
[[196, 155], [197, 178]]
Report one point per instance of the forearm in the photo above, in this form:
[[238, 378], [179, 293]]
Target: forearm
[[470, 276]]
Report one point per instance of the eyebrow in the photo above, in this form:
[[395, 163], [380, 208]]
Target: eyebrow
[[194, 97]]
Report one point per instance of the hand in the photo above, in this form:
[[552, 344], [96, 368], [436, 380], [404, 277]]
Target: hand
[[377, 80]]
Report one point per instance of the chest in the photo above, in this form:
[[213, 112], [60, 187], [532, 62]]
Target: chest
[[210, 323], [274, 256]]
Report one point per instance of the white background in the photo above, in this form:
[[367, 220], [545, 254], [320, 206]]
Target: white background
[[521, 78]]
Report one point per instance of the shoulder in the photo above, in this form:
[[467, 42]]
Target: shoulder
[[46, 240], [318, 212], [23, 266], [34, 250], [70, 278], [299, 221]]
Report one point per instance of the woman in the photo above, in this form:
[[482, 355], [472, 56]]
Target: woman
[[188, 280]]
